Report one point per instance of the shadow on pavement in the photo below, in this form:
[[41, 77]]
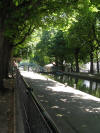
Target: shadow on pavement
[[70, 111]]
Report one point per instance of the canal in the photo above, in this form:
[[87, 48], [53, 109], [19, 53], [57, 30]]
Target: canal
[[87, 86]]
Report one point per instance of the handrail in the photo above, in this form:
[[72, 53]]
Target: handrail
[[42, 110], [52, 128]]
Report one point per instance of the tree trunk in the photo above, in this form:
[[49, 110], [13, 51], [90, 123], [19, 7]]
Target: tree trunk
[[77, 59], [8, 50], [71, 67], [1, 57], [91, 86], [5, 54], [76, 81], [5, 48], [91, 60], [61, 63], [97, 62], [56, 61]]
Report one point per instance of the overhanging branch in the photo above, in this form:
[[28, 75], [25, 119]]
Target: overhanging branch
[[28, 33]]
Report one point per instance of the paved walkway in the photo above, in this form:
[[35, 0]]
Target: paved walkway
[[6, 111], [72, 111]]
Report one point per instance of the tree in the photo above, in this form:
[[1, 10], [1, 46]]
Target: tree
[[83, 32], [18, 19], [52, 47], [77, 42], [57, 49], [41, 49]]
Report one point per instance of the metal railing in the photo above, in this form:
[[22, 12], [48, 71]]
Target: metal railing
[[35, 118]]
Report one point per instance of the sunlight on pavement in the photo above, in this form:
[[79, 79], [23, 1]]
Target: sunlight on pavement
[[63, 100], [32, 75], [77, 93], [55, 107], [59, 115], [60, 87], [92, 110]]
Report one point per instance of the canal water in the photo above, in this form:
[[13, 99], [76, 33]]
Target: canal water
[[88, 86]]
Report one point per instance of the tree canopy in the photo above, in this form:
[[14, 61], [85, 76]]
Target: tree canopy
[[80, 29], [76, 24]]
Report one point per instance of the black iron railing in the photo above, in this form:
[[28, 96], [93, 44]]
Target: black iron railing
[[35, 118]]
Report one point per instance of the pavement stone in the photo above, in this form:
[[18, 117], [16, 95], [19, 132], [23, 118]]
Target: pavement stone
[[6, 111]]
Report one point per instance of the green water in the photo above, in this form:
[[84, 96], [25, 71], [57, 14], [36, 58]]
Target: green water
[[87, 86]]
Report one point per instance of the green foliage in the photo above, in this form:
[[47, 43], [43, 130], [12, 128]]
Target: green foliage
[[18, 15], [41, 49], [24, 52], [80, 31], [75, 24], [58, 45]]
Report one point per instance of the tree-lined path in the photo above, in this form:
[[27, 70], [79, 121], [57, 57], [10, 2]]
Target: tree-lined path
[[65, 33], [72, 111]]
